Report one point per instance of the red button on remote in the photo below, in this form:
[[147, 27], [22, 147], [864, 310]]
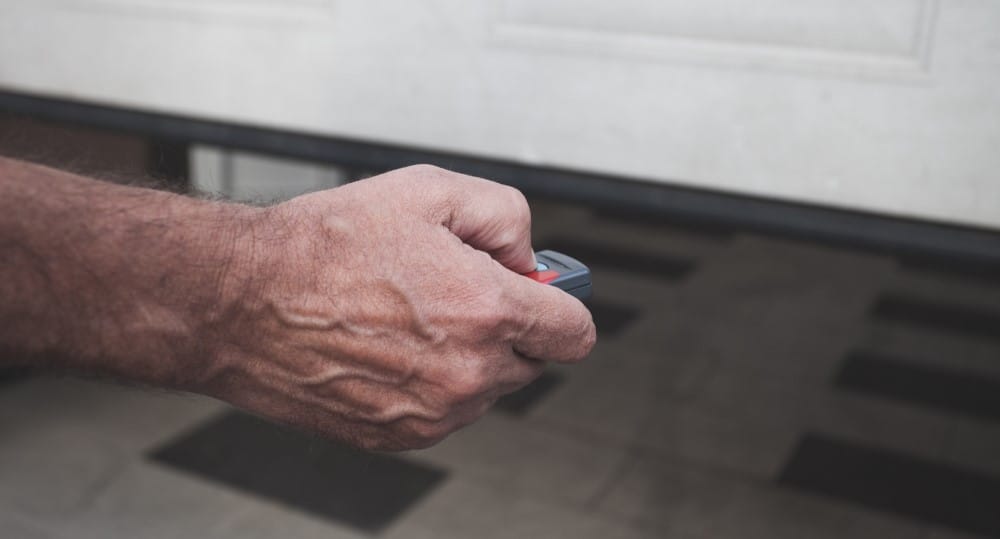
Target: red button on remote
[[543, 277]]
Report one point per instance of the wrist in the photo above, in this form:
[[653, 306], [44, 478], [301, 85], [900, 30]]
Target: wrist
[[218, 289], [179, 272]]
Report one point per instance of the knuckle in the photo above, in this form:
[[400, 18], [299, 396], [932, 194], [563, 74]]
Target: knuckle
[[520, 210], [439, 185], [468, 382], [436, 179], [424, 169]]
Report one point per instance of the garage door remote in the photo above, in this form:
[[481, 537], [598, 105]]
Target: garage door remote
[[564, 272]]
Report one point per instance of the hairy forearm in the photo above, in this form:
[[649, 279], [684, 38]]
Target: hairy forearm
[[332, 311], [114, 279]]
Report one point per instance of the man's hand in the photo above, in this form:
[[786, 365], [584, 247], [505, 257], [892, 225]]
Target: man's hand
[[391, 312], [386, 313]]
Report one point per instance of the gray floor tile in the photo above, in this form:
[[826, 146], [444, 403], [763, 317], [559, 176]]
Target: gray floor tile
[[147, 501], [262, 520], [613, 392], [730, 443], [65, 440], [463, 509], [751, 423], [611, 408], [790, 350], [131, 418], [52, 472], [673, 497], [789, 310], [526, 457], [18, 527]]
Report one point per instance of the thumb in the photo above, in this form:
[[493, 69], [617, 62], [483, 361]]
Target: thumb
[[493, 218]]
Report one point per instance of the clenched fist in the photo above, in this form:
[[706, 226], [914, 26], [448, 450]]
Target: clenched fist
[[390, 312]]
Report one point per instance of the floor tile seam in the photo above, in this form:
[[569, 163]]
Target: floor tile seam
[[43, 527], [514, 492], [811, 420], [97, 488], [709, 467], [569, 432], [628, 461]]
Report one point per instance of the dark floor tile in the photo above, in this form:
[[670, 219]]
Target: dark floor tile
[[969, 393], [362, 490], [914, 488], [950, 268], [523, 400], [12, 375], [975, 321], [611, 318], [595, 255]]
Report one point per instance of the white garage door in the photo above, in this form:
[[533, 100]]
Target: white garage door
[[883, 105]]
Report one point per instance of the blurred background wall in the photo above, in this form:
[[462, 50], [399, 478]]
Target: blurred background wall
[[885, 106]]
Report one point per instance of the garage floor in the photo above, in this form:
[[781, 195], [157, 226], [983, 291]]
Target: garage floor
[[743, 387]]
